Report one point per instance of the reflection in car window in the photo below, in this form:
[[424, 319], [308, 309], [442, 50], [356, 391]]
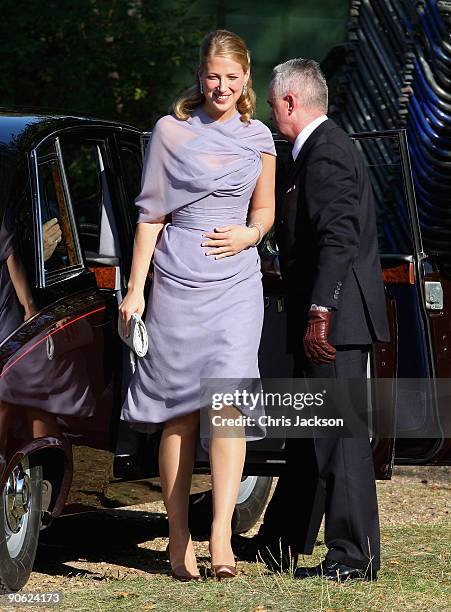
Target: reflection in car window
[[59, 251], [383, 161]]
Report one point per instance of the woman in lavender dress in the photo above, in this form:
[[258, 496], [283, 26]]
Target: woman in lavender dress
[[212, 167]]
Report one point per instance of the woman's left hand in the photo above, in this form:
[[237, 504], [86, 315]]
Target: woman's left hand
[[230, 240], [29, 310]]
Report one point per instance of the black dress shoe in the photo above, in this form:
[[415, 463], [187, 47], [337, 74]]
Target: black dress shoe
[[274, 553], [333, 570]]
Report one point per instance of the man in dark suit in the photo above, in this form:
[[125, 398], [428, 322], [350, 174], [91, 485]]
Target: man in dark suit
[[327, 237]]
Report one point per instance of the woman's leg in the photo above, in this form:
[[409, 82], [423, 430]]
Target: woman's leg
[[42, 423], [176, 458], [227, 456]]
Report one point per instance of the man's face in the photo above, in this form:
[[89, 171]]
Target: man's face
[[279, 113]]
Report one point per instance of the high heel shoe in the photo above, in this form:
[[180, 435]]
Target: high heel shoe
[[223, 571], [180, 572], [220, 571]]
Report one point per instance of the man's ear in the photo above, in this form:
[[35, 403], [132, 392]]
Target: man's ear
[[289, 98]]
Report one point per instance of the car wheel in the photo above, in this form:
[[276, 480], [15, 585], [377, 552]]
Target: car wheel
[[252, 497], [20, 522]]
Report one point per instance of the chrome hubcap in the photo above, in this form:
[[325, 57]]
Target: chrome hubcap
[[17, 498], [246, 487]]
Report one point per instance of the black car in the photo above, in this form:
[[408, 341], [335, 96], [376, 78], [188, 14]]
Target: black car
[[67, 220]]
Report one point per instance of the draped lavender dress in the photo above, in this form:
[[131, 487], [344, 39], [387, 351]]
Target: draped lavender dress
[[11, 311], [205, 315]]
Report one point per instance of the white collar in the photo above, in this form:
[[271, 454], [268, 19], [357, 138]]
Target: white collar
[[304, 134]]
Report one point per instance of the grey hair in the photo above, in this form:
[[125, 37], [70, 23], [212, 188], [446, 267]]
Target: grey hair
[[304, 78]]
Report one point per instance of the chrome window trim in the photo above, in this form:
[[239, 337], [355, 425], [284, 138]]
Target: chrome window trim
[[37, 222], [56, 276]]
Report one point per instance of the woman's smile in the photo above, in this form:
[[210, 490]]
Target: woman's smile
[[221, 97]]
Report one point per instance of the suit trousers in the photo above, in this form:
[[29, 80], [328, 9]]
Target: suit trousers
[[333, 477]]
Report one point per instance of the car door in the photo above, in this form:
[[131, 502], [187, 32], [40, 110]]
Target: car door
[[416, 286], [85, 293], [59, 367], [435, 448]]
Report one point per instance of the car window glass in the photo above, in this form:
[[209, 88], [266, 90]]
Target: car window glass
[[59, 248], [81, 162], [85, 168], [383, 161], [132, 165]]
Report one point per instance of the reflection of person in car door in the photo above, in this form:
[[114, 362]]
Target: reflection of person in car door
[[326, 232], [23, 385], [51, 236], [16, 299]]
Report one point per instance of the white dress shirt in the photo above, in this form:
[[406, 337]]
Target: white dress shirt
[[304, 134]]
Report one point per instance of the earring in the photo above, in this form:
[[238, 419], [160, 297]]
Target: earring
[[245, 89], [201, 87]]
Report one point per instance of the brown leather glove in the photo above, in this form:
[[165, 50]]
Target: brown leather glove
[[316, 346]]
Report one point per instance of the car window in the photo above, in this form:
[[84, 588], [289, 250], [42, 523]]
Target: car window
[[81, 162], [383, 160], [84, 163], [132, 170], [382, 156], [59, 246]]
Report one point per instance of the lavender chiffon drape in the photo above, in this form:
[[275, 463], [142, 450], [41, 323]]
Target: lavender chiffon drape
[[204, 316]]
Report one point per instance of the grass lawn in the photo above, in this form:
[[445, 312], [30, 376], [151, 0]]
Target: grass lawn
[[413, 578]]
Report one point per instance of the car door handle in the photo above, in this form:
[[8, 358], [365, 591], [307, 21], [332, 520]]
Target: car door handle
[[434, 295]]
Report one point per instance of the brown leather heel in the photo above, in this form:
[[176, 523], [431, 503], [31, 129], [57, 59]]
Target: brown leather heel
[[180, 572], [223, 571]]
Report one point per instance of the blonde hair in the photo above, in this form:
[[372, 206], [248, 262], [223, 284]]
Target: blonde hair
[[224, 44]]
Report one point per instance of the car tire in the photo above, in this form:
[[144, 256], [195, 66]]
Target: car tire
[[252, 497], [20, 523]]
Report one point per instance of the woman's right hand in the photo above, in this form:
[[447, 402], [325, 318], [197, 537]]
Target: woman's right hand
[[132, 303], [51, 236]]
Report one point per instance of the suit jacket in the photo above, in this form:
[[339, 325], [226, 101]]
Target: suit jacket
[[327, 236]]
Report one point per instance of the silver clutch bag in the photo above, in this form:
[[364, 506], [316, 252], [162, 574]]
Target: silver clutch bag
[[138, 340]]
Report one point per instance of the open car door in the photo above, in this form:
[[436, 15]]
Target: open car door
[[416, 285]]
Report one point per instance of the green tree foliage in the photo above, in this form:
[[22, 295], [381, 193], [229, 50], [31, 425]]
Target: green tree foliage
[[118, 59]]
